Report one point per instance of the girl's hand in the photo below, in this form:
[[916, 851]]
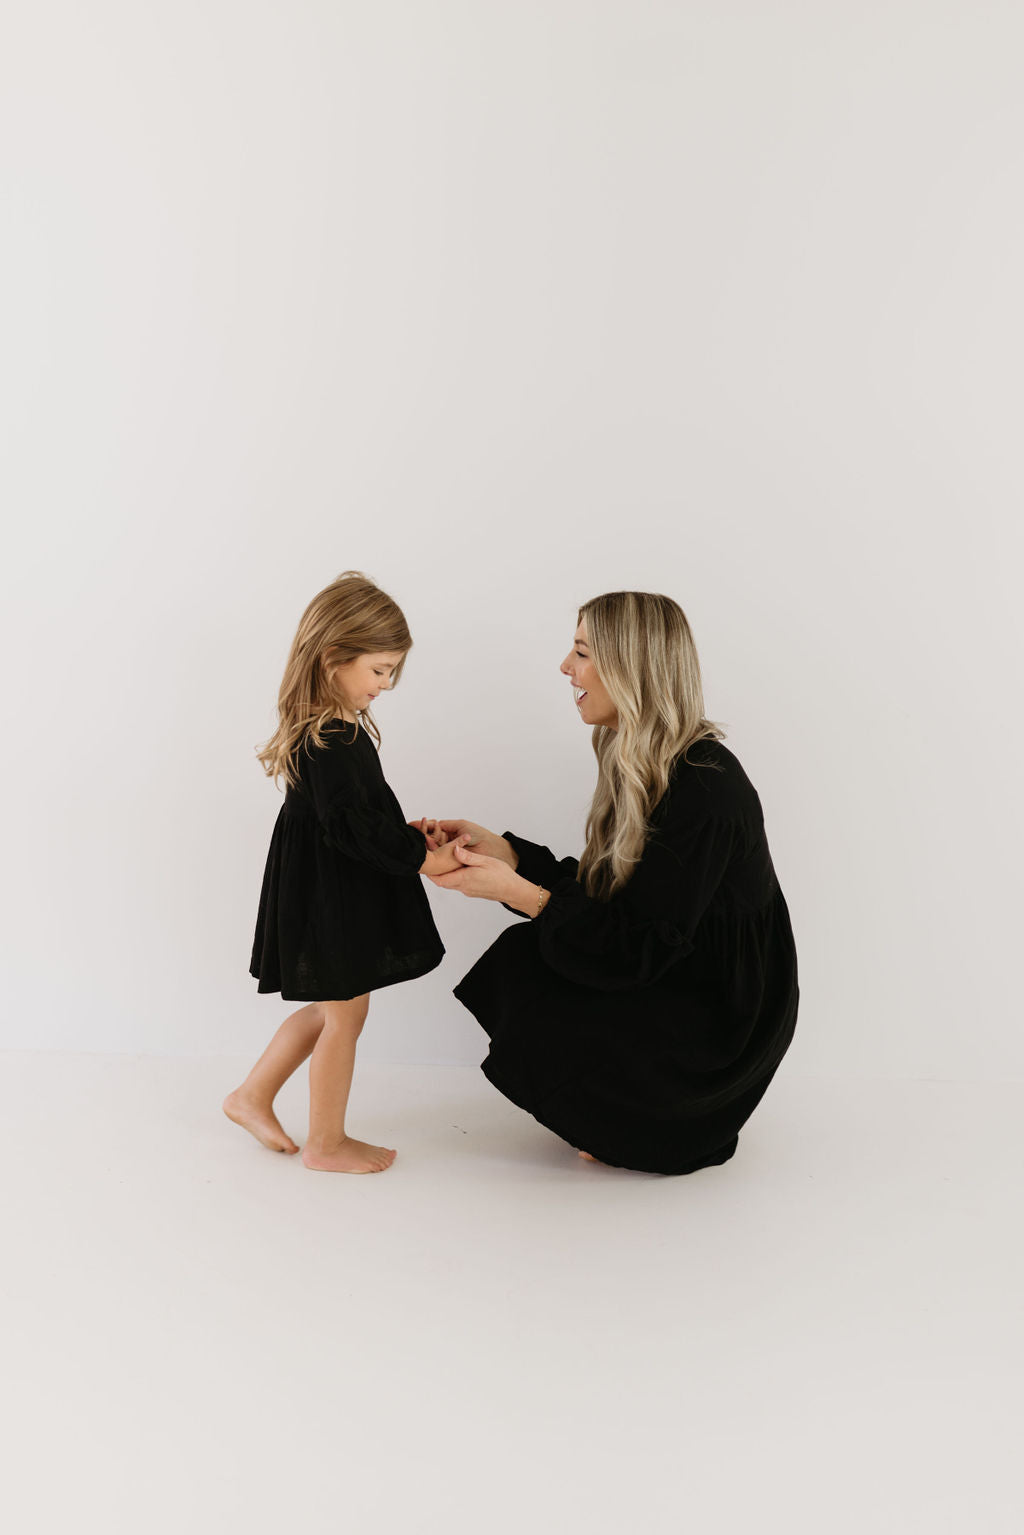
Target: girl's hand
[[432, 831], [490, 879], [482, 841], [442, 860]]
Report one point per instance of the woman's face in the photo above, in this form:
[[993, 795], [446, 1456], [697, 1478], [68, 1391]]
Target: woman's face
[[593, 703], [358, 682]]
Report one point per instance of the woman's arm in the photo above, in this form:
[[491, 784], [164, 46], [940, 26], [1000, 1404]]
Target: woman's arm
[[648, 926], [481, 840], [535, 863], [637, 936], [538, 863], [490, 879]]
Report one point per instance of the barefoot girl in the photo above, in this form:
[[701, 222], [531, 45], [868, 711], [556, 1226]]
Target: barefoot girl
[[342, 911]]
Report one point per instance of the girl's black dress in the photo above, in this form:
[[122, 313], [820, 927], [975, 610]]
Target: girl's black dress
[[343, 910], [645, 1029]]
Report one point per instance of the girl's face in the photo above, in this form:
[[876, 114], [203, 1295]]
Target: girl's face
[[357, 683], [593, 703]]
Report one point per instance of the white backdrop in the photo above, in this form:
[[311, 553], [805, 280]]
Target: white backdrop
[[508, 305]]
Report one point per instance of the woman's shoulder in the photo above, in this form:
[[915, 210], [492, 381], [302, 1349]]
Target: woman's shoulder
[[709, 779]]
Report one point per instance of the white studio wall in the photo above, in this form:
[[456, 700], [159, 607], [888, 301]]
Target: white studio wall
[[507, 305]]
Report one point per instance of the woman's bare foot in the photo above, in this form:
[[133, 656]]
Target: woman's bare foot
[[259, 1120], [588, 1158], [349, 1157]]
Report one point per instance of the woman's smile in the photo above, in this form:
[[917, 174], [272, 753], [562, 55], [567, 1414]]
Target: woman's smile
[[591, 695]]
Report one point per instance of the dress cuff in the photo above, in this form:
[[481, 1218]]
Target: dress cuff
[[536, 863]]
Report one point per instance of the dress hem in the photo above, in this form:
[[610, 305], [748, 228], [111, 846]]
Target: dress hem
[[604, 1154], [377, 985]]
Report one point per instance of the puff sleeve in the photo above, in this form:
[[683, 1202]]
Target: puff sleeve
[[369, 836], [538, 864], [647, 927], [365, 826]]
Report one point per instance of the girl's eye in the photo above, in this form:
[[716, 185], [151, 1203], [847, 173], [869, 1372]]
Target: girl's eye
[[581, 655]]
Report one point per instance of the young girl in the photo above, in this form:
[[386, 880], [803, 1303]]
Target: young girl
[[342, 911]]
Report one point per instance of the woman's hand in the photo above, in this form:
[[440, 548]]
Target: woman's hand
[[489, 879], [481, 840]]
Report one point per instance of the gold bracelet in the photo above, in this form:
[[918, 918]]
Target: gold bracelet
[[541, 902]]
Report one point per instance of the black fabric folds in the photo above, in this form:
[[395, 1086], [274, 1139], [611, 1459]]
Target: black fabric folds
[[645, 1029], [342, 910]]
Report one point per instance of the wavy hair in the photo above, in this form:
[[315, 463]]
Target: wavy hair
[[643, 651], [351, 617]]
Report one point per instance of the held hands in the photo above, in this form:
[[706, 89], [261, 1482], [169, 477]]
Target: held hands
[[481, 840], [489, 878], [441, 860], [467, 857], [440, 833], [433, 831]]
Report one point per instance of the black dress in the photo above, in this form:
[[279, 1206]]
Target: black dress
[[645, 1029], [343, 910]]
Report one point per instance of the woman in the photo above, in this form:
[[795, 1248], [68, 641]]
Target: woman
[[644, 1009]]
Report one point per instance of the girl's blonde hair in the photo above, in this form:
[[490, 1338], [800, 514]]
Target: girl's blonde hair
[[351, 617], [643, 650]]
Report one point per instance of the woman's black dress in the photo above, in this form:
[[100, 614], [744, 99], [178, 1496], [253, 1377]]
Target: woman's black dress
[[343, 910], [645, 1029]]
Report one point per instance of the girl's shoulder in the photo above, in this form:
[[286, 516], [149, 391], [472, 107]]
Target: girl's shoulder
[[341, 749]]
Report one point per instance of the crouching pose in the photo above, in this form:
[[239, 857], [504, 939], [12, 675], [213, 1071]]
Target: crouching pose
[[643, 1009]]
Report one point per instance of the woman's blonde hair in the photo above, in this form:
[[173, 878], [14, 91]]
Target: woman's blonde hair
[[643, 650], [351, 617]]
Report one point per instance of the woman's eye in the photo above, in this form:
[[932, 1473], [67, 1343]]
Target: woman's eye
[[581, 655]]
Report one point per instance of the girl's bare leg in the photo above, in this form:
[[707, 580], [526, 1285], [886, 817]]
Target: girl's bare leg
[[252, 1104], [329, 1149]]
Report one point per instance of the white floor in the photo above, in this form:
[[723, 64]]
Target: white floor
[[824, 1335]]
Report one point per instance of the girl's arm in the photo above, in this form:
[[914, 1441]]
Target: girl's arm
[[335, 782]]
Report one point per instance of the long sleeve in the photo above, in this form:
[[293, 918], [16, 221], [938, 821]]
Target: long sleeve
[[369, 836], [359, 815], [636, 937], [538, 864]]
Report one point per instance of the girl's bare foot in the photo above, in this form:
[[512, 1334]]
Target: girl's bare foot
[[349, 1157], [587, 1157], [260, 1120]]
